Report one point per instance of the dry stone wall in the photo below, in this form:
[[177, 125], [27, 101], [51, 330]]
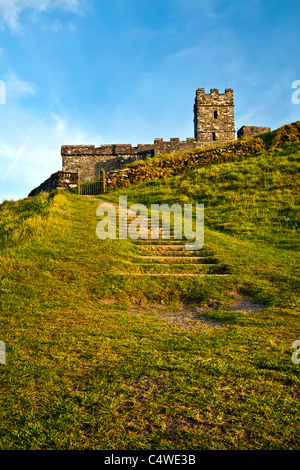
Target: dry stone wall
[[60, 179], [171, 165]]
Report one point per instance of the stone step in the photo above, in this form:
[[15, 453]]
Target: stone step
[[179, 269], [173, 260], [170, 257], [170, 253], [171, 274], [163, 243], [181, 264], [166, 247]]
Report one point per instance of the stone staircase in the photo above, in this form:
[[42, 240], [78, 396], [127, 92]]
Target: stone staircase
[[169, 258]]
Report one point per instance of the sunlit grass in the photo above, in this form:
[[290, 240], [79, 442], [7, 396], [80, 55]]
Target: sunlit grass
[[97, 361]]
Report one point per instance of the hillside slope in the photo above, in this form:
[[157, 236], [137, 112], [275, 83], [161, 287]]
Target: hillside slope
[[99, 361], [169, 165], [253, 202]]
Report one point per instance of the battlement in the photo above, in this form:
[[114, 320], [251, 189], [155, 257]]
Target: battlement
[[77, 150], [214, 97], [106, 149]]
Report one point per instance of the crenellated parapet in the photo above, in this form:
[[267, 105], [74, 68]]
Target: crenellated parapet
[[215, 97], [108, 150]]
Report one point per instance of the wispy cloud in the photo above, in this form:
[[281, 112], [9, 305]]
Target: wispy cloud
[[19, 153], [32, 153], [22, 147], [17, 88], [12, 10]]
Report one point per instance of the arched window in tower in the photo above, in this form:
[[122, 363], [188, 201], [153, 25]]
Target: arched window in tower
[[213, 136], [216, 114]]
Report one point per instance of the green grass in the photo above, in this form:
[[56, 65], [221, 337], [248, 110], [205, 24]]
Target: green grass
[[251, 215], [97, 361]]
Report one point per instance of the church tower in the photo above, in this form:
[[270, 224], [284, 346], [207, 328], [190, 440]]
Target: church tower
[[214, 116]]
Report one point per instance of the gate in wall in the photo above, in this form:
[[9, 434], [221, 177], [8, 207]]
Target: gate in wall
[[94, 187]]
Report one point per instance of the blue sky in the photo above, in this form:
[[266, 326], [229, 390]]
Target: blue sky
[[125, 71]]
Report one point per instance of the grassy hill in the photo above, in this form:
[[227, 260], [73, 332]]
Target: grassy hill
[[96, 360]]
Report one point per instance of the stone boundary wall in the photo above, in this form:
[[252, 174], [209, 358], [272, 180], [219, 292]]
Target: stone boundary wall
[[172, 165], [60, 179]]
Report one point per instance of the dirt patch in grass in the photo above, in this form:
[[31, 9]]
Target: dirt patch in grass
[[242, 303], [189, 318], [189, 422], [183, 317]]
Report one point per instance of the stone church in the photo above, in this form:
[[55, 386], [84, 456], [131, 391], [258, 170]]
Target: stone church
[[213, 124]]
